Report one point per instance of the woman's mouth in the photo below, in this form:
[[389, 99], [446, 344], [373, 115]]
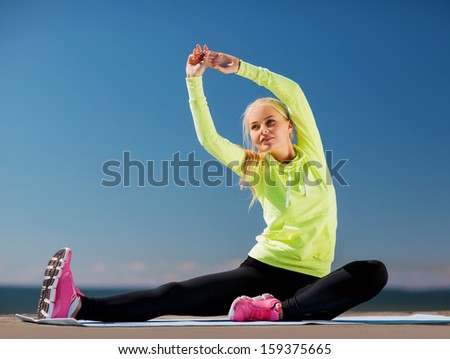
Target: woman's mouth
[[266, 139]]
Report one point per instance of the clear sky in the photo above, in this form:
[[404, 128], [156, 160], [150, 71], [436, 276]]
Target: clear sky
[[84, 83]]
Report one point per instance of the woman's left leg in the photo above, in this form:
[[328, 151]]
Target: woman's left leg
[[339, 291], [207, 295]]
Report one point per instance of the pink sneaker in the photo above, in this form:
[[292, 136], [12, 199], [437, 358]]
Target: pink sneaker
[[263, 307], [59, 297]]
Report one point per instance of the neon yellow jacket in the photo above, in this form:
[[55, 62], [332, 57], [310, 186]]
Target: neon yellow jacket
[[298, 198]]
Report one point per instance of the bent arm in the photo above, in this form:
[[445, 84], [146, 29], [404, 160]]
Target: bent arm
[[228, 153], [290, 93]]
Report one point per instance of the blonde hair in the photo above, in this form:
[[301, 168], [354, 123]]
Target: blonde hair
[[269, 101], [253, 159]]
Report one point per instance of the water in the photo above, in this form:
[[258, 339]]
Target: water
[[24, 299]]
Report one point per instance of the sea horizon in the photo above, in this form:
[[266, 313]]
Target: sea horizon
[[23, 299]]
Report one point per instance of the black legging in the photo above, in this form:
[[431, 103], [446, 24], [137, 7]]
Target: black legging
[[211, 295]]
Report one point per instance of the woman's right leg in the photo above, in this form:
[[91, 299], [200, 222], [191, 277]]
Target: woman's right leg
[[207, 295], [339, 291]]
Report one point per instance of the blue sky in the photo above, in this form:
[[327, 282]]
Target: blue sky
[[83, 82]]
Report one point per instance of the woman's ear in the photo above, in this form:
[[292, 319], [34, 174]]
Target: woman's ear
[[291, 130]]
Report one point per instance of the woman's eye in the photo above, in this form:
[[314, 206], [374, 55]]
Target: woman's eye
[[270, 122], [254, 127]]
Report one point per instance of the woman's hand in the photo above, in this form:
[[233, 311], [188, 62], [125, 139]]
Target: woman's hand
[[197, 62], [224, 63]]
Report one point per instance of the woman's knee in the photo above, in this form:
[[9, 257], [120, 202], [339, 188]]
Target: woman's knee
[[171, 290], [379, 274], [372, 272]]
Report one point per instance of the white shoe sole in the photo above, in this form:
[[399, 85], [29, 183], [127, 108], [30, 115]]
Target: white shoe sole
[[52, 274]]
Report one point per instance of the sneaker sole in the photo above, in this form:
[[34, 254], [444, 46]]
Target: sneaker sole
[[52, 274]]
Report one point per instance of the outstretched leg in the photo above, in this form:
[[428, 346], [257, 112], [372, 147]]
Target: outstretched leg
[[207, 295]]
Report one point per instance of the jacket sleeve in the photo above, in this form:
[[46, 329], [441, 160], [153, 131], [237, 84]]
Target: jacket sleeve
[[290, 93], [228, 153]]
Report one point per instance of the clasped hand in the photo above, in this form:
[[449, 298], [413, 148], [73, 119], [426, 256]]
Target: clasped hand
[[200, 59]]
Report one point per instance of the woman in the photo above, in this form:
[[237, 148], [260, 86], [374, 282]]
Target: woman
[[292, 257]]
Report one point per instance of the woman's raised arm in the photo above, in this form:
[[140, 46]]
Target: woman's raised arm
[[197, 62]]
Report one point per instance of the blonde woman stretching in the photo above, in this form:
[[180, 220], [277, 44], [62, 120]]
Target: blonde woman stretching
[[293, 255]]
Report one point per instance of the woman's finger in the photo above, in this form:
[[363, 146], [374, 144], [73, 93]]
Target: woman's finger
[[192, 60], [197, 50]]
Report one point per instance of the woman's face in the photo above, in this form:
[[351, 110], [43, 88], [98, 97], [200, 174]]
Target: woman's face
[[269, 130]]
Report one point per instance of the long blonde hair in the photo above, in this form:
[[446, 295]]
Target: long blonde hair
[[253, 159]]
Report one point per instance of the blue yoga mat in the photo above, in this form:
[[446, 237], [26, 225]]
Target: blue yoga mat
[[191, 322]]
